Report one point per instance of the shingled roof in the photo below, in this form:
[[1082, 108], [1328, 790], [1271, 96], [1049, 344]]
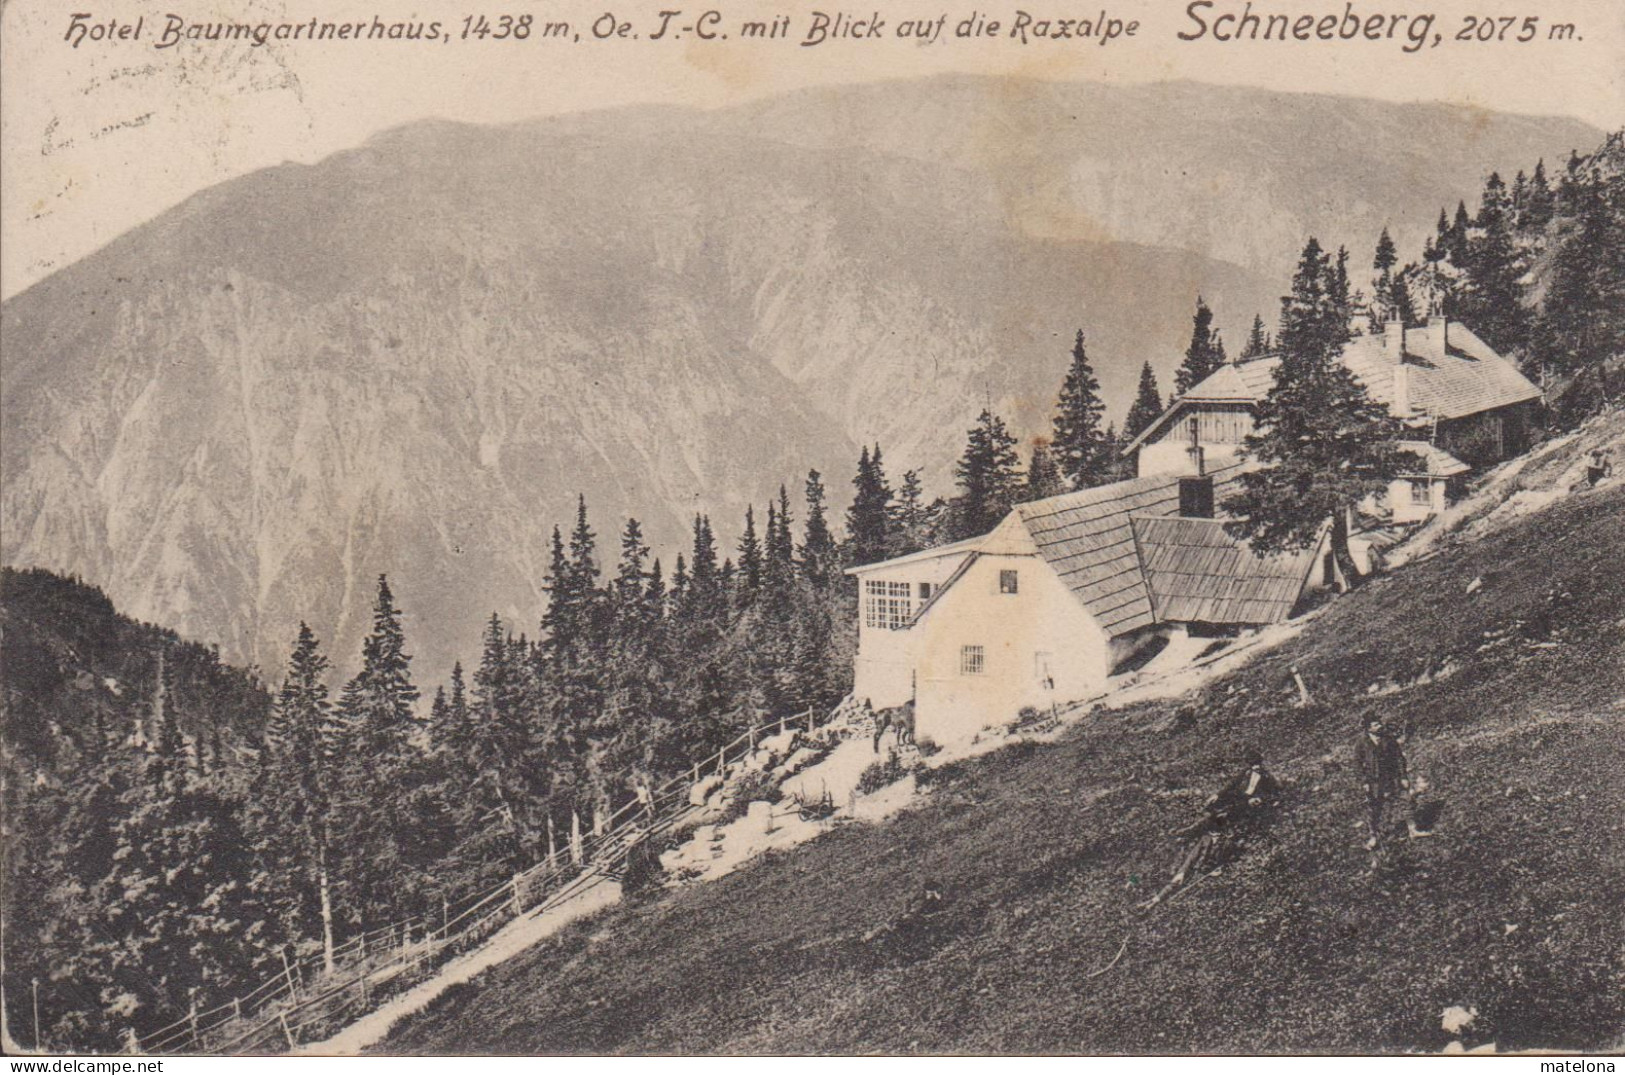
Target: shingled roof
[[1452, 374], [1088, 538], [1197, 573]]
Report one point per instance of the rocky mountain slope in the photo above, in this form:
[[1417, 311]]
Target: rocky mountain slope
[[410, 357]]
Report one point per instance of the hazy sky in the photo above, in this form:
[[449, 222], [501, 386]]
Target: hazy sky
[[101, 137]]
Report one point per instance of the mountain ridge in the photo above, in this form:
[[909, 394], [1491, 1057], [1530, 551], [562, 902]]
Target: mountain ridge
[[411, 356]]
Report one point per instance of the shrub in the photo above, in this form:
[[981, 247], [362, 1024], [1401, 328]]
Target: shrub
[[644, 873], [881, 773], [758, 785]]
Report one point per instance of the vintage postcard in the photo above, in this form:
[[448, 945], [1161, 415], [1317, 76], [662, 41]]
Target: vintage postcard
[[813, 529]]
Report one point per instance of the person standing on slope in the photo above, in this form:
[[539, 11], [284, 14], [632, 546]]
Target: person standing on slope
[[1381, 761]]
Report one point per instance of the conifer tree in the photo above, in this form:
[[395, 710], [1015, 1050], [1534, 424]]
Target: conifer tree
[[781, 547], [1258, 340], [1582, 323], [1390, 297], [1492, 300], [912, 516], [750, 556], [1147, 406], [868, 520], [1077, 445], [298, 761], [1342, 300], [1043, 476], [818, 554], [1203, 356], [380, 744], [1538, 206], [989, 477], [1325, 444]]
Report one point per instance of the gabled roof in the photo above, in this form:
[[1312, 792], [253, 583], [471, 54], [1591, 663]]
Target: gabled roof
[[1132, 561], [1197, 573], [1088, 538], [1452, 378], [956, 548], [1439, 463]]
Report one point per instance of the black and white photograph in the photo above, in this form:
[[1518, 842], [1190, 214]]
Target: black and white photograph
[[554, 530]]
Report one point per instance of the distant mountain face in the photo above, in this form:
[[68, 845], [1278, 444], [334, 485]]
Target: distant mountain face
[[411, 357]]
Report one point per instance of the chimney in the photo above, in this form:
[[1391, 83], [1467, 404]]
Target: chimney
[[1436, 339], [1402, 391], [1393, 340], [1196, 498]]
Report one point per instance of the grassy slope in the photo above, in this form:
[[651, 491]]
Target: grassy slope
[[1298, 946]]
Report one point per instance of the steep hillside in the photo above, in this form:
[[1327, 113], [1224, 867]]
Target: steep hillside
[[77, 672], [1515, 689], [410, 357]]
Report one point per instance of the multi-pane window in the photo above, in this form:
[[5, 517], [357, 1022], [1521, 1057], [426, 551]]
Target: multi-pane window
[[1007, 582], [1421, 493], [887, 606], [972, 660]]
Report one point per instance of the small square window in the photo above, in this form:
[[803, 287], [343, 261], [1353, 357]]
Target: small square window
[[1007, 582], [925, 591], [972, 660]]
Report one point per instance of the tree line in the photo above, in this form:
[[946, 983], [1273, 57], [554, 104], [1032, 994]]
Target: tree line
[[174, 829]]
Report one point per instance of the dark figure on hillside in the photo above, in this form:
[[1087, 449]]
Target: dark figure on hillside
[[1227, 816], [916, 925], [1598, 466], [1380, 759]]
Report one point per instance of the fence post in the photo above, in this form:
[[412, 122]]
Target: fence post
[[132, 1044], [809, 720], [282, 1017], [237, 1007], [445, 913], [191, 1013], [287, 970], [517, 906]]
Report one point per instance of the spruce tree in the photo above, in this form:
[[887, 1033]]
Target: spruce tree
[[1324, 444], [299, 759], [1582, 323], [1258, 340], [381, 753], [1492, 299], [1539, 203], [750, 556], [989, 477], [868, 520], [818, 554], [1203, 355], [912, 516], [1043, 476], [1147, 406], [1077, 444]]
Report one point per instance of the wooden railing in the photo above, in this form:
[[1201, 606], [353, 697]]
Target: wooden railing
[[309, 997]]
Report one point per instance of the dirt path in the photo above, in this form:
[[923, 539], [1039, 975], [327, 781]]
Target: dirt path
[[512, 939]]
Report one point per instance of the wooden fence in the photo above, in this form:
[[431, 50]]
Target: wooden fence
[[307, 1000]]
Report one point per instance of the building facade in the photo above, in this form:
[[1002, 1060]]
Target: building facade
[[1465, 405], [1041, 610]]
